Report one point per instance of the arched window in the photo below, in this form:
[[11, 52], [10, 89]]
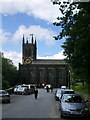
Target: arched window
[[51, 76], [42, 75], [33, 76], [62, 76]]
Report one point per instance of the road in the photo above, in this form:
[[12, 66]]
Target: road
[[26, 106]]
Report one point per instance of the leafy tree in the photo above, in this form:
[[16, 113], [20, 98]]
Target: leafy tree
[[75, 24], [9, 73]]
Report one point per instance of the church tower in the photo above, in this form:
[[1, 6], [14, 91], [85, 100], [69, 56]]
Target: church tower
[[29, 50]]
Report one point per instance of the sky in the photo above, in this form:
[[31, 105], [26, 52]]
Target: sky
[[27, 17]]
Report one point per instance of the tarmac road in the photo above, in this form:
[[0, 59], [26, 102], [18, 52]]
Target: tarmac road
[[26, 106]]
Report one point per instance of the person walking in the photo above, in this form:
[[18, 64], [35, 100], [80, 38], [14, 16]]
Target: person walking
[[35, 92], [51, 88], [47, 89]]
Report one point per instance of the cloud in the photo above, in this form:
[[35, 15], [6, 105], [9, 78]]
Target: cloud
[[42, 34], [4, 36], [17, 57], [14, 56], [55, 56], [42, 9]]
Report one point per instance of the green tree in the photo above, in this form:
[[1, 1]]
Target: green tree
[[75, 24], [9, 73]]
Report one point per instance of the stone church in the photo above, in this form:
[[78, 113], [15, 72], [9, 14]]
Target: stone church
[[37, 71]]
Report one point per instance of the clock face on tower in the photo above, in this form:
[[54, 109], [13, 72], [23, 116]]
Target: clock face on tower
[[27, 61]]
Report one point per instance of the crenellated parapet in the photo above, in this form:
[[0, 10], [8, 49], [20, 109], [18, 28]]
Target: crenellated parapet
[[29, 49]]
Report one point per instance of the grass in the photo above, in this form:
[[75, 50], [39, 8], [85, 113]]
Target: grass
[[84, 89]]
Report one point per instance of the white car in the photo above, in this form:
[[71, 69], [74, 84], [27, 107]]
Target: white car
[[24, 89], [58, 94], [63, 87], [20, 89], [16, 88]]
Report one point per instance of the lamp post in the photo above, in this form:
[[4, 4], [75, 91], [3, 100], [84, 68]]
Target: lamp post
[[69, 79]]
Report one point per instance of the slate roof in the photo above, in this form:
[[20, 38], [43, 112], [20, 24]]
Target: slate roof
[[49, 62]]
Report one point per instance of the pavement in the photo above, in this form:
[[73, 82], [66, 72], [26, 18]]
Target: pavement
[[86, 97]]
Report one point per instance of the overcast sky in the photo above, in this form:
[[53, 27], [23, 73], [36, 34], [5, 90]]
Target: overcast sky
[[29, 17]]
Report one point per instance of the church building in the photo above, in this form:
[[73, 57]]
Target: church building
[[38, 71]]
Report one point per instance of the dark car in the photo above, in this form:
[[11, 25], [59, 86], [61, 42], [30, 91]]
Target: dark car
[[4, 96], [73, 105]]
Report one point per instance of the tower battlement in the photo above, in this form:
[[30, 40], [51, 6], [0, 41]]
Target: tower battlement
[[29, 49]]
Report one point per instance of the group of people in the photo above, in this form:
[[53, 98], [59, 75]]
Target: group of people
[[36, 91]]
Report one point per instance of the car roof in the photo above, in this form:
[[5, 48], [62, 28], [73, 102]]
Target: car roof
[[2, 90], [67, 90], [63, 86], [71, 95]]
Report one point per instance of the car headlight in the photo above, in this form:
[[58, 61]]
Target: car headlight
[[66, 109]]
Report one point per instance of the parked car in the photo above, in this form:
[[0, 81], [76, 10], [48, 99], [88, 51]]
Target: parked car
[[58, 94], [67, 91], [4, 96], [29, 88], [49, 86], [73, 105], [24, 89], [16, 89], [63, 87]]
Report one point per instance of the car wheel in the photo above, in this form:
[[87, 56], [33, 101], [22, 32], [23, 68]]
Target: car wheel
[[61, 114]]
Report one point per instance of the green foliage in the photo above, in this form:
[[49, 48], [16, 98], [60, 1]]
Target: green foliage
[[84, 89], [75, 24], [9, 73]]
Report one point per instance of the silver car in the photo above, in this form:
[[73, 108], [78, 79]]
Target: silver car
[[66, 91], [4, 96], [73, 105], [58, 94]]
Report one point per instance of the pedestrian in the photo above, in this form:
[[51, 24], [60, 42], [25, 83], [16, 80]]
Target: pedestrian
[[35, 92], [47, 89], [51, 88]]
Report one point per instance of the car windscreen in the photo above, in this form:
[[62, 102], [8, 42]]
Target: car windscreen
[[72, 99]]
